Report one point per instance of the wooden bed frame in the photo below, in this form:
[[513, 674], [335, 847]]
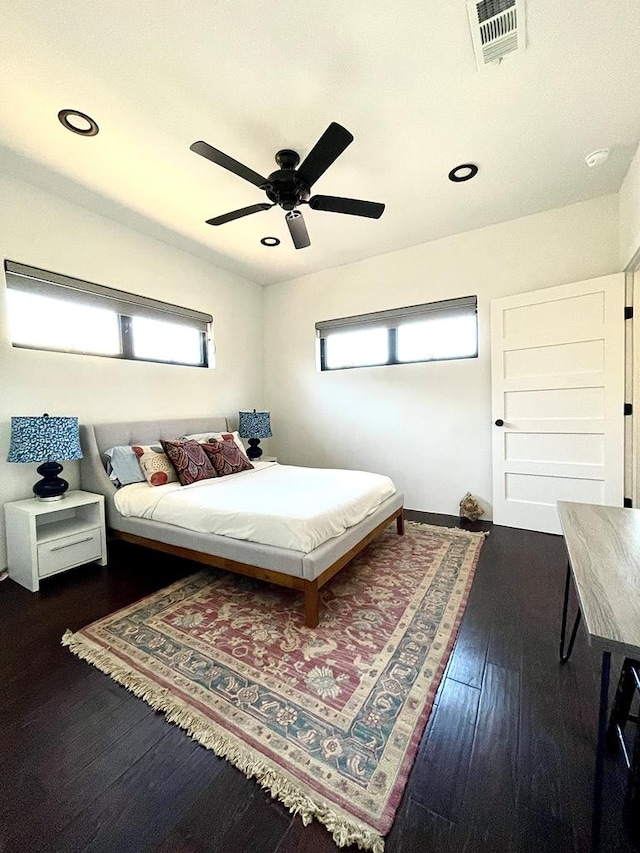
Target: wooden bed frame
[[310, 588], [304, 572]]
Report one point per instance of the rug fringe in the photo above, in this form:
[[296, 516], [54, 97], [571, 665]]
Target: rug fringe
[[474, 534], [343, 830]]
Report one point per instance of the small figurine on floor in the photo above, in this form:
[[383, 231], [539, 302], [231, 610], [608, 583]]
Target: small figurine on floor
[[470, 508]]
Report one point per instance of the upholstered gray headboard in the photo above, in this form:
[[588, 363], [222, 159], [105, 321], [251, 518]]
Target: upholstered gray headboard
[[96, 438]]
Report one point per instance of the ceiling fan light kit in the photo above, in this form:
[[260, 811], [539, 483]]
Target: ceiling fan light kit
[[289, 186]]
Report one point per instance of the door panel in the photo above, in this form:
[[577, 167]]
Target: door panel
[[558, 385], [543, 490], [554, 403], [559, 359], [557, 315], [568, 447]]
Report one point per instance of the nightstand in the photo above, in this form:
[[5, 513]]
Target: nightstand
[[267, 459], [47, 537]]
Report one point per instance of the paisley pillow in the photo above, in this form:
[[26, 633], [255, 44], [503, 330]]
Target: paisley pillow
[[189, 460], [226, 457], [155, 464]]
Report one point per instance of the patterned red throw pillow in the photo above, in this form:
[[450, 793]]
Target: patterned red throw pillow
[[189, 460], [226, 457]]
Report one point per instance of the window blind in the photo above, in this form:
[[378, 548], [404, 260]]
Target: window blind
[[45, 283], [393, 317]]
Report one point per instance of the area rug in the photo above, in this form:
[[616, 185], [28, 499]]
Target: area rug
[[329, 719]]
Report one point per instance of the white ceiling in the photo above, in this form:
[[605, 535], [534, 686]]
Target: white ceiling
[[252, 77]]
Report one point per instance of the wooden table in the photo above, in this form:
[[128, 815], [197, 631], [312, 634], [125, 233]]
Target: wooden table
[[603, 545]]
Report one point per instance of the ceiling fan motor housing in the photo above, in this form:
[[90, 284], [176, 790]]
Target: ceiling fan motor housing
[[285, 187]]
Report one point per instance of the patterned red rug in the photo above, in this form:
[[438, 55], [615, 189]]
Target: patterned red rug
[[329, 719]]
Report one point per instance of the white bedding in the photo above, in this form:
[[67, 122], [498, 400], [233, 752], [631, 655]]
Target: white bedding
[[287, 506]]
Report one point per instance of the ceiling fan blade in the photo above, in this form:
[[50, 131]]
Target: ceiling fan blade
[[327, 149], [237, 214], [353, 206], [206, 150], [297, 229]]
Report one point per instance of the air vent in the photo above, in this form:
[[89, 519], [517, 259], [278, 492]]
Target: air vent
[[497, 29]]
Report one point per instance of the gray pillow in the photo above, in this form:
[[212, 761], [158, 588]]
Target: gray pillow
[[123, 466]]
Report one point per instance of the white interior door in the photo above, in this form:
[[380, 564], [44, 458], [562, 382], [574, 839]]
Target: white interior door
[[557, 361]]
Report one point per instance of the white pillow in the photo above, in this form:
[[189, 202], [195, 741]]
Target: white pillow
[[206, 437]]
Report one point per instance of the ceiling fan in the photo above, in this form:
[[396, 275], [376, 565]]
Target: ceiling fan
[[290, 186]]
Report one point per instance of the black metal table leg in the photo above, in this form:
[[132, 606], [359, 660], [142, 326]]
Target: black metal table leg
[[564, 656], [602, 739], [632, 805]]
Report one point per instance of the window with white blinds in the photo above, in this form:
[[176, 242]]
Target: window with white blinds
[[433, 331], [51, 311]]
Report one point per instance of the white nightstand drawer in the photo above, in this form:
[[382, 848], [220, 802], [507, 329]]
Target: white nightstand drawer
[[69, 551]]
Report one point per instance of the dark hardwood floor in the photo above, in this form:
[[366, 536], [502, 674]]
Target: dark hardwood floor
[[505, 764]]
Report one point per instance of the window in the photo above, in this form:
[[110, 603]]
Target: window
[[55, 312], [431, 332]]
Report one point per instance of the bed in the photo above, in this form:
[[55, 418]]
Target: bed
[[293, 567]]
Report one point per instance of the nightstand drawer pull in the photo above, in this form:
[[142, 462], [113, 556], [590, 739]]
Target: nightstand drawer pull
[[69, 544]]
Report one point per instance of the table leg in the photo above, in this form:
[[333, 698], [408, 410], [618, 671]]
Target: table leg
[[600, 753], [633, 789], [564, 656]]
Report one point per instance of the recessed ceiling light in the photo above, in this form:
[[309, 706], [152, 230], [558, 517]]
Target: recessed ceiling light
[[463, 172], [270, 241], [78, 122]]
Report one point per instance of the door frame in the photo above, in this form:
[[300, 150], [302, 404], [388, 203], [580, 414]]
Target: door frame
[[632, 350], [632, 347]]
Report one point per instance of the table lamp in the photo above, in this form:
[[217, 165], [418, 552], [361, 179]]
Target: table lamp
[[254, 426], [45, 439]]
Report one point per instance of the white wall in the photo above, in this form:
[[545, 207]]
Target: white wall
[[629, 200], [428, 426], [43, 230]]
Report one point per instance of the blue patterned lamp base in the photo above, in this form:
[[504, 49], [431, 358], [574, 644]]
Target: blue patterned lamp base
[[51, 487]]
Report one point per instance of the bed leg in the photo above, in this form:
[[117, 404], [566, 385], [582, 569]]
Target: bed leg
[[400, 523], [311, 604]]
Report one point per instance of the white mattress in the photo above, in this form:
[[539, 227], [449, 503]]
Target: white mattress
[[282, 505]]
